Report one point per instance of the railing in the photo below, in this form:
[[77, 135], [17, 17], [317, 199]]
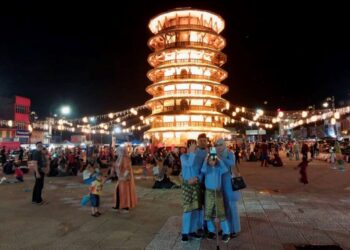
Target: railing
[[183, 124], [187, 92], [215, 62], [185, 76], [179, 108], [179, 26], [181, 44]]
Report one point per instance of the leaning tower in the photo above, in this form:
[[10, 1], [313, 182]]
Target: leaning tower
[[186, 77]]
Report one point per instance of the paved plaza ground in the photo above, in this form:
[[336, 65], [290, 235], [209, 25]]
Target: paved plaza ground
[[276, 211]]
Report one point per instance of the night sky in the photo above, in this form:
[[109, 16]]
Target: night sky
[[94, 56]]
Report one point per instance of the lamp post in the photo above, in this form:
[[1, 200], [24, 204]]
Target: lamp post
[[313, 108], [65, 111], [330, 101]]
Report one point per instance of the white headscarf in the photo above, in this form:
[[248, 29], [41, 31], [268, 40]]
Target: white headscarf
[[120, 155], [224, 153]]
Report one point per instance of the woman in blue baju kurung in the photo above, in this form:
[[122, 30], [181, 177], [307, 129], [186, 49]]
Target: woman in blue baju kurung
[[230, 197]]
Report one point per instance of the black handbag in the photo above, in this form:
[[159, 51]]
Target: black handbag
[[238, 182]]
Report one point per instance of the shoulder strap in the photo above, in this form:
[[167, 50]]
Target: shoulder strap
[[239, 172]]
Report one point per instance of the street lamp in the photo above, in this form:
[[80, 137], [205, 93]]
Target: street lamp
[[314, 118], [331, 100], [117, 130], [65, 110]]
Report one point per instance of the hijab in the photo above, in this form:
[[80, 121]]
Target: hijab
[[121, 151], [224, 152]]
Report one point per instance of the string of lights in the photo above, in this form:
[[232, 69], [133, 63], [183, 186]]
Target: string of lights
[[237, 114]]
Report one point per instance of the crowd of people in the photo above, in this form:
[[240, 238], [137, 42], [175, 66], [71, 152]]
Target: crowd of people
[[203, 170], [120, 170]]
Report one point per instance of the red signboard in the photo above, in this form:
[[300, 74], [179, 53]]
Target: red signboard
[[21, 117], [10, 145], [24, 101]]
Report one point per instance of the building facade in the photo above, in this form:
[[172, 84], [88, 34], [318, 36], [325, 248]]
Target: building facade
[[186, 77], [15, 117]]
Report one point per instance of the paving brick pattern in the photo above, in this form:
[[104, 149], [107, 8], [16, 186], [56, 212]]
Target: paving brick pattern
[[271, 222], [280, 218], [276, 212]]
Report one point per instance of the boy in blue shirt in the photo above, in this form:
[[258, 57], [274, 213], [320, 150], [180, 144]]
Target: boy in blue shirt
[[213, 170]]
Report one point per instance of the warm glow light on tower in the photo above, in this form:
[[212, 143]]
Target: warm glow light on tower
[[186, 78]]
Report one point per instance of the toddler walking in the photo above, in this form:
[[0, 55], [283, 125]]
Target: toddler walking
[[95, 193]]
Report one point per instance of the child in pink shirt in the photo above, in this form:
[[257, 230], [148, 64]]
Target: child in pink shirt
[[19, 174]]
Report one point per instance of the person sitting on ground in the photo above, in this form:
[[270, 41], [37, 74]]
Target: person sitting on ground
[[277, 161], [62, 168], [8, 168], [53, 167], [18, 174], [165, 181], [172, 160], [160, 170]]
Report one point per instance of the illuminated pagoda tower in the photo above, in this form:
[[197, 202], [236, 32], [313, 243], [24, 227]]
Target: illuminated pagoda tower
[[186, 78]]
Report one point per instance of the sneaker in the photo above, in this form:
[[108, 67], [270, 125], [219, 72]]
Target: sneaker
[[211, 236], [233, 235], [184, 238], [3, 179], [195, 236], [226, 238]]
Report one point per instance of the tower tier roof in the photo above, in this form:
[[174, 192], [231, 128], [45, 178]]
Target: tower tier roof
[[209, 19]]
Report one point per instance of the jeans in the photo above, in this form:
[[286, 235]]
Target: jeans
[[38, 187]]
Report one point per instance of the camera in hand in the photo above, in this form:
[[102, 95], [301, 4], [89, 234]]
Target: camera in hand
[[212, 153]]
